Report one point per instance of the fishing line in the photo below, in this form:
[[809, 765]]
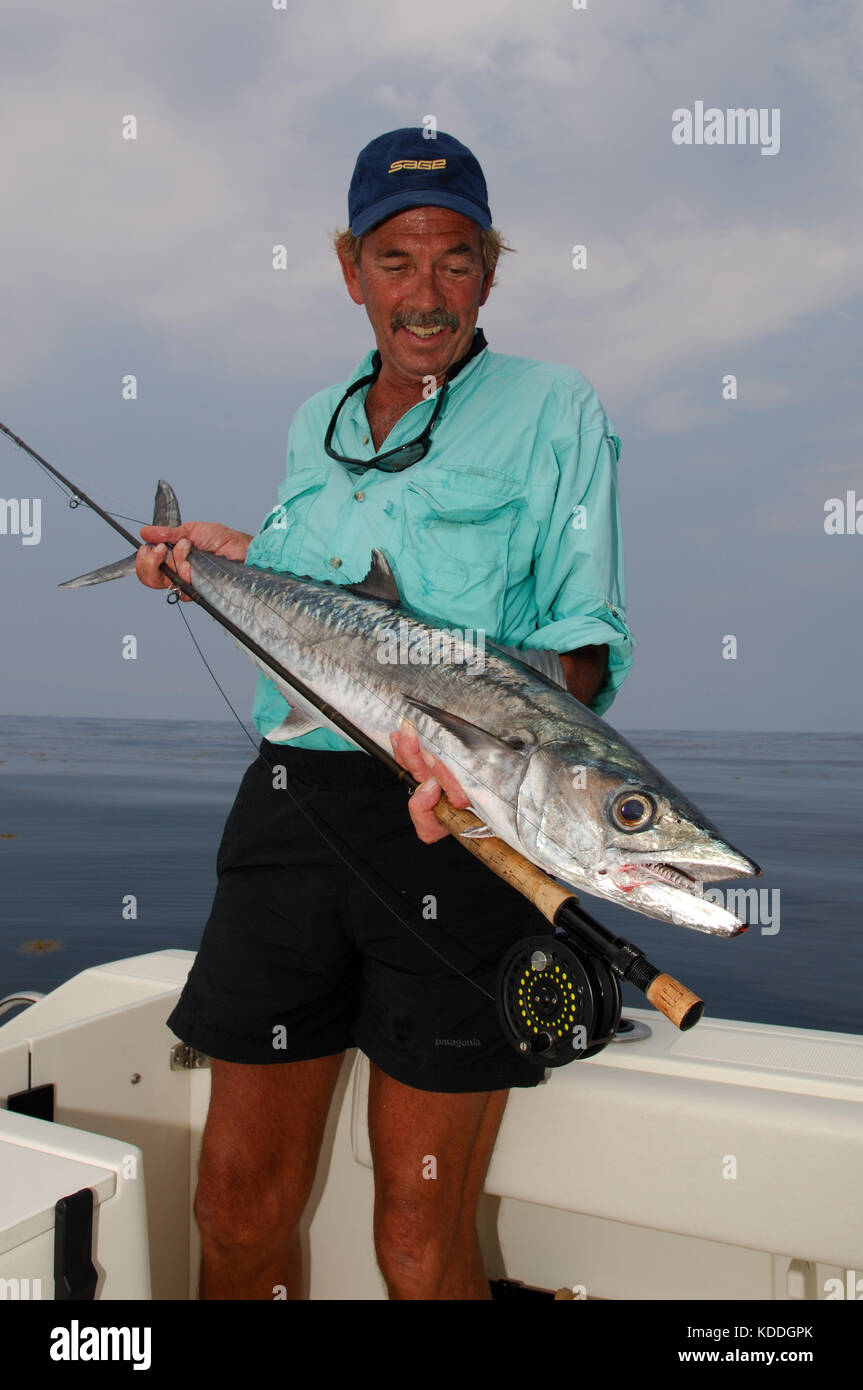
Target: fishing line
[[68, 493], [67, 490], [326, 832]]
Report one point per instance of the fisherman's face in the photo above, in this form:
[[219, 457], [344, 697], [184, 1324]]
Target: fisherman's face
[[421, 270]]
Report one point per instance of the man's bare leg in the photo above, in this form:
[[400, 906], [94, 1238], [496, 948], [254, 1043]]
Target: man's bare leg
[[425, 1227], [258, 1159]]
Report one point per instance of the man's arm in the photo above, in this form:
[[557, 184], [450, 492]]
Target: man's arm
[[585, 670]]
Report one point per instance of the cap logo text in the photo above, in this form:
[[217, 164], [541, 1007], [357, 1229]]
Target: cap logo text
[[398, 164]]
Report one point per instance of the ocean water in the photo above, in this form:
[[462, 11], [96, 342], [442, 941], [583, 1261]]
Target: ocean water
[[93, 810]]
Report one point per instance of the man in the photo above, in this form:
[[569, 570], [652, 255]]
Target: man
[[489, 482]]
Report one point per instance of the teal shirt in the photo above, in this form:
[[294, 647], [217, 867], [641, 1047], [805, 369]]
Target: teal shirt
[[510, 524]]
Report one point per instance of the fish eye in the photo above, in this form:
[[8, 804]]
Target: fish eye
[[633, 811]]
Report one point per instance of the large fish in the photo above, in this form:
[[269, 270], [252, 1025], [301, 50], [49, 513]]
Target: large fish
[[543, 772]]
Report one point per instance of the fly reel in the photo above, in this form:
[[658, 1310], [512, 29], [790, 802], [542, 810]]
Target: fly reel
[[557, 1001]]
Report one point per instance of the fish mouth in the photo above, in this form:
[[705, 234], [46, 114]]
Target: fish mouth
[[636, 873], [689, 872], [664, 888], [695, 875], [670, 874]]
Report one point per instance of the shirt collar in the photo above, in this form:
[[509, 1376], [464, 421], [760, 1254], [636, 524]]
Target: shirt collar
[[372, 360]]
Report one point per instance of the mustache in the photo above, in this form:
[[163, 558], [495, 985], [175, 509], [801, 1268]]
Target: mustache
[[436, 318]]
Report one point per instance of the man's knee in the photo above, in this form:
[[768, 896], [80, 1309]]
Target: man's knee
[[240, 1206], [414, 1239]]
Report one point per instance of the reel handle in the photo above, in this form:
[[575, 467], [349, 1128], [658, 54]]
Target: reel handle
[[681, 1006]]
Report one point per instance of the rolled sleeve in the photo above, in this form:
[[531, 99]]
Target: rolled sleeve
[[578, 562]]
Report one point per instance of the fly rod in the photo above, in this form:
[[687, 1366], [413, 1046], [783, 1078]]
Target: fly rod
[[559, 905]]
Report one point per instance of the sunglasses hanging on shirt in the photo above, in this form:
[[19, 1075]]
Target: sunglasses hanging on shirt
[[394, 460]]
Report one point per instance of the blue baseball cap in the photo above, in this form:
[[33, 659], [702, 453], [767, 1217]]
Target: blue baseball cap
[[403, 169]]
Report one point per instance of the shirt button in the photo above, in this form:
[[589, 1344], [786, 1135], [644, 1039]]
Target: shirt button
[[359, 496], [365, 439], [335, 562]]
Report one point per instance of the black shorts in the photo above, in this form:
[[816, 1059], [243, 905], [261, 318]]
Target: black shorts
[[303, 957]]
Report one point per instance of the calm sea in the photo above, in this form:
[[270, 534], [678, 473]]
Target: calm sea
[[93, 810]]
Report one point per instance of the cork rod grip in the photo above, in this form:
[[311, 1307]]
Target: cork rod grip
[[673, 999], [507, 863]]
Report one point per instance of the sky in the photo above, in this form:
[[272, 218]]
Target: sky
[[154, 257]]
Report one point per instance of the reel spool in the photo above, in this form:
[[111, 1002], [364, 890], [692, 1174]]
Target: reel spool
[[557, 1001]]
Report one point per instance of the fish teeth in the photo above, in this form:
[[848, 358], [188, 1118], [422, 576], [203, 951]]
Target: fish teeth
[[676, 877]]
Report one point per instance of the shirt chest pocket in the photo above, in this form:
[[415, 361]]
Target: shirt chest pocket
[[279, 543], [457, 546]]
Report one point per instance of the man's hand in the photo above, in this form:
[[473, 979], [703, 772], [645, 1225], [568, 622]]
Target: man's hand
[[203, 535], [433, 777]]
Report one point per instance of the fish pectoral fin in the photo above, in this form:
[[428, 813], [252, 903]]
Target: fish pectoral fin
[[471, 735], [478, 832], [299, 721], [380, 582], [302, 718], [117, 570]]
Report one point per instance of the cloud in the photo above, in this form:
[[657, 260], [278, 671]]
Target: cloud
[[701, 261], [173, 233]]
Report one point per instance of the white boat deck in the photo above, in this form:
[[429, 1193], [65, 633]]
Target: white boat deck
[[720, 1163]]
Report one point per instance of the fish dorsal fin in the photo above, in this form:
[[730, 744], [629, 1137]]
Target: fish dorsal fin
[[380, 582], [547, 663], [166, 511]]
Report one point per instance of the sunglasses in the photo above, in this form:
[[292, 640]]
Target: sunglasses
[[392, 460]]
